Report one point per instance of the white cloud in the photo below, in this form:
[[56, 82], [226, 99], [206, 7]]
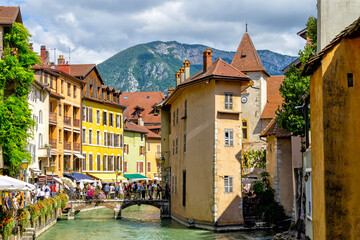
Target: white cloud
[[95, 30]]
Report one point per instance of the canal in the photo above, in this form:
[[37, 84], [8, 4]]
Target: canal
[[138, 222]]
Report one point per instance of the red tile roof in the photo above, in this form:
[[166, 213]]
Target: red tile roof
[[219, 68], [9, 15], [246, 58], [79, 70], [273, 129], [129, 126], [144, 99], [274, 99]]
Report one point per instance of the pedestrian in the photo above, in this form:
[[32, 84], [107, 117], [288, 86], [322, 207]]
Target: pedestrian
[[41, 194], [139, 189], [143, 191], [106, 190], [8, 203], [150, 190], [77, 191], [167, 191], [112, 191], [15, 202], [121, 190], [117, 191], [53, 190], [158, 191]]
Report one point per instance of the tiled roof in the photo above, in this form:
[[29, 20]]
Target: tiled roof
[[273, 129], [274, 99], [313, 64], [9, 15], [144, 99], [246, 58], [151, 134], [129, 126], [80, 70], [219, 68]]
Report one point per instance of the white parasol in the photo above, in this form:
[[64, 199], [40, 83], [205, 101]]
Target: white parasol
[[13, 184], [68, 182]]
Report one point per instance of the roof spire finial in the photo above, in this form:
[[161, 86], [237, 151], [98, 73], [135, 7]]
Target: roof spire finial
[[246, 27]]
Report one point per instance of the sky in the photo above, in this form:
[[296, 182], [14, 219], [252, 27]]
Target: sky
[[94, 30]]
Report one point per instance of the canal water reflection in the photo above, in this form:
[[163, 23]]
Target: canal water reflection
[[138, 222]]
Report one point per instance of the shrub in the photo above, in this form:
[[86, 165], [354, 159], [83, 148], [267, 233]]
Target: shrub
[[23, 216], [7, 224], [34, 210]]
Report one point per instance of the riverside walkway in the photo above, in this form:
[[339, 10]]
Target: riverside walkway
[[117, 205]]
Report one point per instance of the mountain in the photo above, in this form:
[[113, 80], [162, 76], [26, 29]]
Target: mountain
[[152, 66]]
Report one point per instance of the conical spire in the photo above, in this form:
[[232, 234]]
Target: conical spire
[[246, 58]]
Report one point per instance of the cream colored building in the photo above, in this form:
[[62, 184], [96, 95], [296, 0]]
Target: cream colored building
[[201, 144]]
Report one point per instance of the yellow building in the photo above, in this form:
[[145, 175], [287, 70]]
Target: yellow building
[[335, 145], [102, 125], [153, 155], [201, 141], [64, 118]]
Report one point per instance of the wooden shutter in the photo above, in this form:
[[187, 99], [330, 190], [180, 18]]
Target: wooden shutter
[[125, 166], [91, 115], [87, 114], [148, 167]]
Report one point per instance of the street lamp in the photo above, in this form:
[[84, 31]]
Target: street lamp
[[24, 165], [116, 173], [52, 168]]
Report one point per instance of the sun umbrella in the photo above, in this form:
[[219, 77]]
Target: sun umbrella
[[13, 184], [100, 185], [68, 182], [81, 185]]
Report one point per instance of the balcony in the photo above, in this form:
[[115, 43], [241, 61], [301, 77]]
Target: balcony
[[67, 120], [67, 145], [53, 143], [158, 156], [52, 117], [77, 147], [76, 122]]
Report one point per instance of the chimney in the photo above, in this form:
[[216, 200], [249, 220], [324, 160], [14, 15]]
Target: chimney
[[182, 74], [177, 76], [65, 67], [61, 60], [207, 59], [31, 47], [187, 69], [47, 58], [140, 120], [170, 90], [43, 54]]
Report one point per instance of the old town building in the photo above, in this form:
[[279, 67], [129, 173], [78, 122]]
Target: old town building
[[201, 141]]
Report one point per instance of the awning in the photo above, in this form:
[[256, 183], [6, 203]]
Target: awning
[[12, 184], [77, 176], [106, 177], [135, 177], [79, 155], [67, 154], [35, 170]]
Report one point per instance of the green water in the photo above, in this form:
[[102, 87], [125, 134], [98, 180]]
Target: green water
[[138, 222]]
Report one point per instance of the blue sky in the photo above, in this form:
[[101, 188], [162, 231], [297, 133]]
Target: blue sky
[[95, 30]]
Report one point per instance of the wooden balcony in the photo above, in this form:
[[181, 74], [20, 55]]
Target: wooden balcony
[[67, 120], [76, 122], [52, 117], [67, 145], [77, 147], [53, 143]]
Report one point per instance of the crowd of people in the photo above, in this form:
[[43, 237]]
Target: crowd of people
[[135, 190]]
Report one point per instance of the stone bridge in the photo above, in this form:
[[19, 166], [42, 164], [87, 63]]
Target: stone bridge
[[117, 205]]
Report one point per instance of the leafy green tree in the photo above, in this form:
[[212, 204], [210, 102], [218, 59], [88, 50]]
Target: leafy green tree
[[16, 77], [254, 158], [290, 117]]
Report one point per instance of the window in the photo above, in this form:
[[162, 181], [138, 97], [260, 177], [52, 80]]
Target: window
[[98, 137], [90, 162], [87, 114], [148, 146], [83, 113], [185, 108], [98, 116], [228, 101], [184, 142], [105, 163], [98, 162], [228, 184], [176, 147], [118, 164], [126, 148], [83, 162], [91, 90], [40, 140], [184, 189], [105, 139], [51, 82], [149, 167], [98, 92], [142, 150], [116, 140], [308, 195], [118, 121], [245, 129], [105, 118], [74, 91], [142, 137], [177, 115], [174, 118], [125, 167], [59, 109], [59, 135], [111, 120], [141, 167], [62, 86], [69, 90], [40, 117], [90, 115], [90, 136], [84, 135], [111, 163], [229, 138], [112, 139], [173, 147]]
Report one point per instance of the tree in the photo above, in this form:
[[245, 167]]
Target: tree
[[290, 117], [16, 77], [254, 158]]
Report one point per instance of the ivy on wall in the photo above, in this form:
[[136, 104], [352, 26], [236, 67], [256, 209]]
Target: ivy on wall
[[16, 77]]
